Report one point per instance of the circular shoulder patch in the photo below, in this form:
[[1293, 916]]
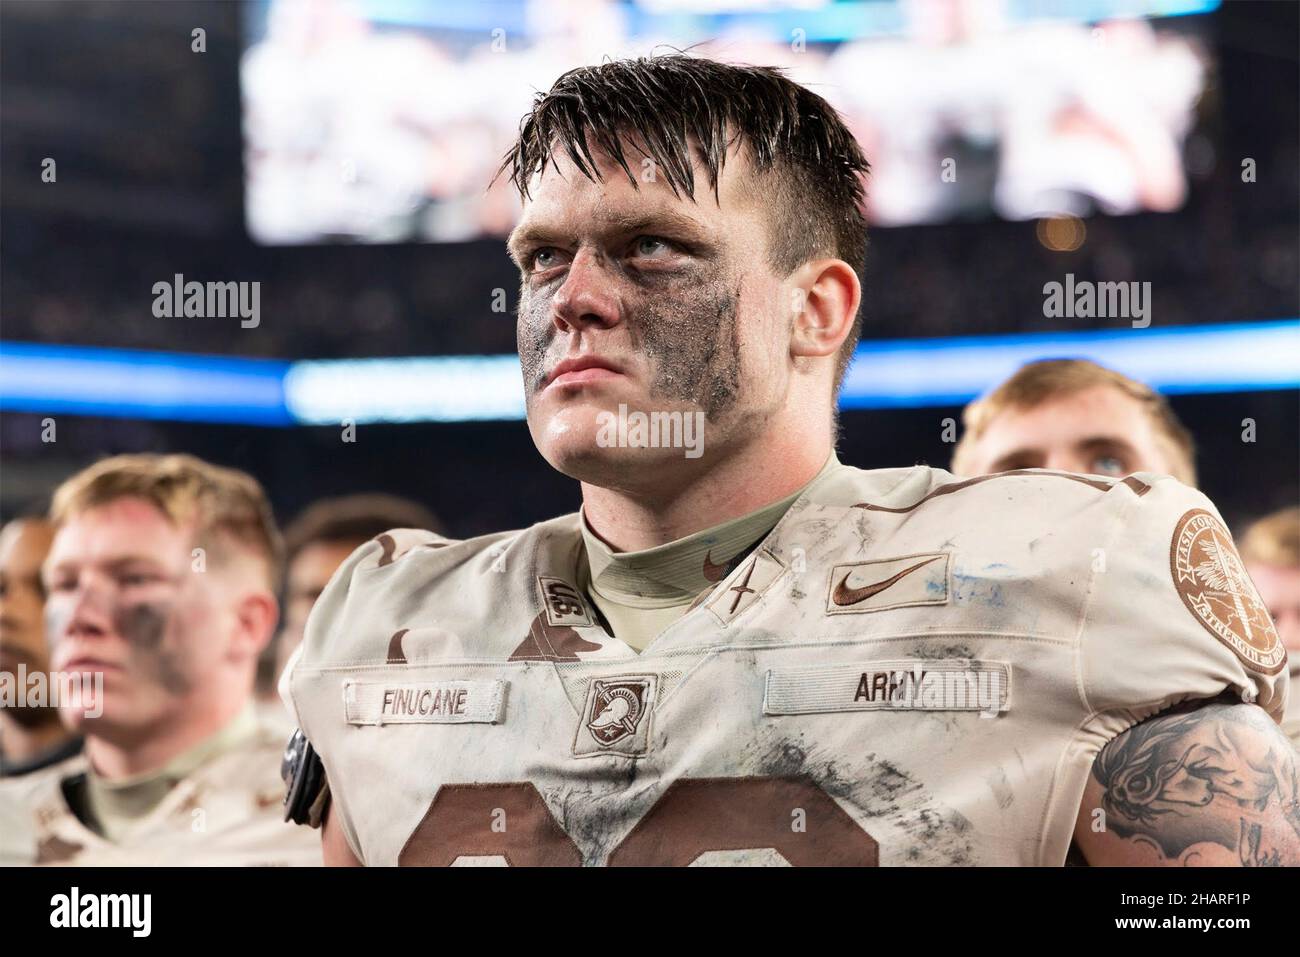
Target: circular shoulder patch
[[1214, 586]]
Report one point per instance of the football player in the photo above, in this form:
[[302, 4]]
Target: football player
[[31, 735], [740, 650], [161, 584], [1073, 415], [1271, 549]]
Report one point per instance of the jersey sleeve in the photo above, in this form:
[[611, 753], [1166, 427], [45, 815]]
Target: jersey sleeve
[[1171, 613]]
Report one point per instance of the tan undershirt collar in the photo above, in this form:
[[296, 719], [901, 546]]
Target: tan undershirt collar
[[113, 806], [642, 592]]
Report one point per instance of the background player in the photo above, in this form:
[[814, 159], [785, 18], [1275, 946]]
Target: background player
[[1073, 415], [1271, 549], [31, 736], [161, 579], [316, 543]]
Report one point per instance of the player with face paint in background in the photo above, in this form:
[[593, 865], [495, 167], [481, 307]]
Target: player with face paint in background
[[161, 587]]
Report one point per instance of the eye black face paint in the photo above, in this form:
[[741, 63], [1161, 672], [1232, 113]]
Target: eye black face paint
[[144, 626], [687, 331], [534, 333], [694, 348]]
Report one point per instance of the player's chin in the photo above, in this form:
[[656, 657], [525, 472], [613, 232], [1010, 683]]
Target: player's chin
[[610, 466], [85, 715], [590, 434], [92, 708], [570, 419]]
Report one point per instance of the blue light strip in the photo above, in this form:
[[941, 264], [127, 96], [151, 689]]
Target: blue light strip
[[845, 20], [134, 384], [1233, 357], [434, 389], [908, 373]]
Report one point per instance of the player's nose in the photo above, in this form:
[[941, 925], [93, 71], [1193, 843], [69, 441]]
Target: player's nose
[[587, 296], [87, 614]]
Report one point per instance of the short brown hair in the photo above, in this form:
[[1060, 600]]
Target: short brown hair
[[675, 108], [355, 518], [227, 506], [1046, 379], [1274, 539]]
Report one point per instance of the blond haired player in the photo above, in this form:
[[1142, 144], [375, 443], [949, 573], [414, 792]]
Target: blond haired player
[[1073, 415], [161, 581], [1271, 550], [757, 654]]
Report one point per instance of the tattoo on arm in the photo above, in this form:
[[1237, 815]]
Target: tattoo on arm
[[1221, 774]]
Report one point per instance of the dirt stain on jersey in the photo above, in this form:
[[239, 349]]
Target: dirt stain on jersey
[[1002, 790], [978, 589], [883, 791], [600, 814], [938, 652]]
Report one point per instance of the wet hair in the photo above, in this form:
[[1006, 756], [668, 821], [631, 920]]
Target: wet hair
[[676, 109]]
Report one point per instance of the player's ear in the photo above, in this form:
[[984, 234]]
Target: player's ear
[[256, 615], [824, 297]]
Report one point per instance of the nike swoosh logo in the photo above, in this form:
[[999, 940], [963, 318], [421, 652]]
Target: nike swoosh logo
[[844, 595], [712, 572]]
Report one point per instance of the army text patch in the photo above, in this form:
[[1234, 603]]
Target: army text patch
[[914, 684]]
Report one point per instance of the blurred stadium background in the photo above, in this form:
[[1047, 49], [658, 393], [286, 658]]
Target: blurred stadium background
[[339, 154]]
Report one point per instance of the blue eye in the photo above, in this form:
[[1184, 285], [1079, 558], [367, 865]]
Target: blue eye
[[535, 260], [649, 245], [1108, 465]]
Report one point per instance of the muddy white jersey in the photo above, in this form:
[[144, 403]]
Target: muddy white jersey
[[908, 669]]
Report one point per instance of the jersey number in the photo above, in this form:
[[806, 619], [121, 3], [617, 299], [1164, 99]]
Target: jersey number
[[694, 817]]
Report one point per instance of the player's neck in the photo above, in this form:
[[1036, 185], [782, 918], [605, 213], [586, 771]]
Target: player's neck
[[631, 521], [128, 755]]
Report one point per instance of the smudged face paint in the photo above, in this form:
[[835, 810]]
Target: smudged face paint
[[145, 627], [672, 296], [125, 602], [688, 344], [694, 349]]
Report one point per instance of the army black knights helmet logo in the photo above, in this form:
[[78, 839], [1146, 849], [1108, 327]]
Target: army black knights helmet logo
[[617, 707]]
